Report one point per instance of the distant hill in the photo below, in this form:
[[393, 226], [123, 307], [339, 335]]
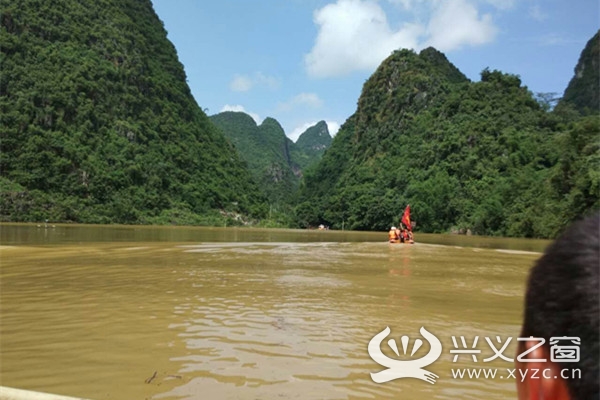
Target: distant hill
[[483, 156], [275, 161], [311, 145], [265, 149], [98, 123], [582, 92]]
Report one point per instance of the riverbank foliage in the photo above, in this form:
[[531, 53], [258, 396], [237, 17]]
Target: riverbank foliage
[[99, 126], [484, 156]]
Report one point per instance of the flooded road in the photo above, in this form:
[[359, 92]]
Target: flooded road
[[208, 313]]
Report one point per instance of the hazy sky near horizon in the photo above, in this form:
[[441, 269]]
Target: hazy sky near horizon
[[302, 61]]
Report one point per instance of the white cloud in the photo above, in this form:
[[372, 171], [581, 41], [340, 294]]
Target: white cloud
[[240, 83], [537, 14], [243, 83], [406, 4], [356, 35], [332, 126], [502, 4], [455, 23], [311, 100], [240, 108], [265, 80]]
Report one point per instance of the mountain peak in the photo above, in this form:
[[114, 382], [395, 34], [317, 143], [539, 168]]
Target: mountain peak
[[271, 121], [583, 92], [238, 115], [316, 138], [405, 82], [272, 129], [439, 60]]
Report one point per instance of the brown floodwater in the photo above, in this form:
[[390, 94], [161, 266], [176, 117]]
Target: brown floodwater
[[122, 312]]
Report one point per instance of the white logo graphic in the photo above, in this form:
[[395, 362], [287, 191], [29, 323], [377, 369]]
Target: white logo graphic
[[564, 353], [404, 368]]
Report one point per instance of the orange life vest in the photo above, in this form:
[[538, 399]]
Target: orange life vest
[[392, 235]]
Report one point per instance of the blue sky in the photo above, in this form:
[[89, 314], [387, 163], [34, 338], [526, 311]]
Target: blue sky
[[302, 61]]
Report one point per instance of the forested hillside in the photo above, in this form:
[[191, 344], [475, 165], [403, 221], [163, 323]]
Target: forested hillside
[[99, 125], [265, 149], [583, 93], [484, 156], [310, 146], [276, 162]]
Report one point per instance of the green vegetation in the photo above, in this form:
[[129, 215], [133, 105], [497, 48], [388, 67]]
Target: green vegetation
[[273, 159], [265, 150], [310, 146], [98, 124], [582, 91], [484, 156]]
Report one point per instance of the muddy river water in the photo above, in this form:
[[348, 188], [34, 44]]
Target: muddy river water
[[227, 313]]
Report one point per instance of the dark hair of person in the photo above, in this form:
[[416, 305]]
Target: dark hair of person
[[562, 300]]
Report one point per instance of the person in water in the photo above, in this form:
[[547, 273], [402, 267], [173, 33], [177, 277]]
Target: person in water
[[393, 235], [562, 302]]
